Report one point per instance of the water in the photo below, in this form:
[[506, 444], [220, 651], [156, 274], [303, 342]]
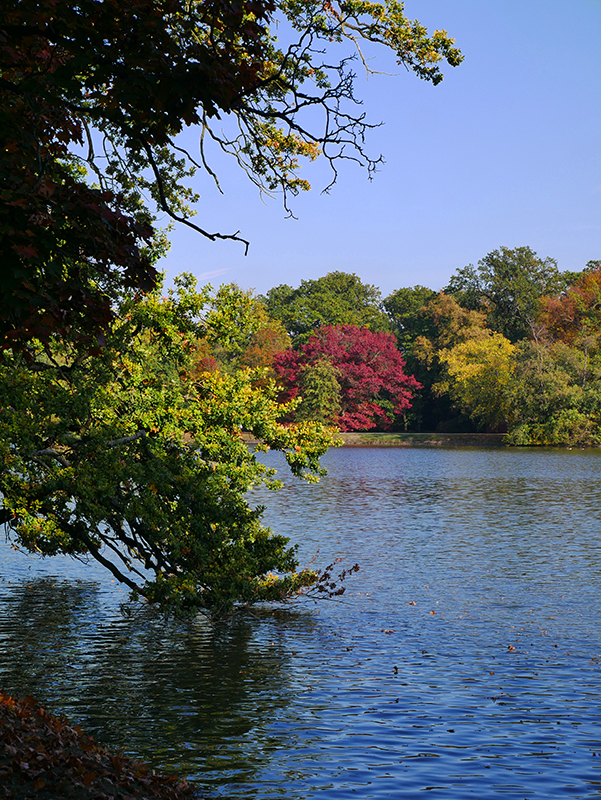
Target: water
[[464, 659]]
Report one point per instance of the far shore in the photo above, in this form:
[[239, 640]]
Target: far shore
[[422, 439], [414, 439]]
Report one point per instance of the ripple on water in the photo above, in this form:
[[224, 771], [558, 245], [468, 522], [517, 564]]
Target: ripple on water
[[464, 660]]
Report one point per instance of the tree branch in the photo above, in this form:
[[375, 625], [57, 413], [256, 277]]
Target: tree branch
[[165, 206], [127, 439], [78, 533], [48, 451]]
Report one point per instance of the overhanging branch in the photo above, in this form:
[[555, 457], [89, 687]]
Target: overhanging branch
[[78, 533], [49, 451], [127, 439], [168, 210]]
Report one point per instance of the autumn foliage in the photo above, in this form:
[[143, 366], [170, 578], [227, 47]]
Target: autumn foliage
[[577, 311], [66, 246], [44, 756], [373, 387]]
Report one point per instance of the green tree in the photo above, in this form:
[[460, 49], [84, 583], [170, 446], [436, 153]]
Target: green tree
[[241, 334], [438, 326], [320, 390], [338, 298], [131, 458], [508, 285], [109, 438], [93, 96], [404, 308], [555, 395]]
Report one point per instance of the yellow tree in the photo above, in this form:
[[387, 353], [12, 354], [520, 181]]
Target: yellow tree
[[478, 375]]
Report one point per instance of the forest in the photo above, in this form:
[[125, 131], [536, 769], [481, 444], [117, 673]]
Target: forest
[[511, 345]]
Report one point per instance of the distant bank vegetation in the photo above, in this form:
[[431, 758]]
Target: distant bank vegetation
[[511, 345]]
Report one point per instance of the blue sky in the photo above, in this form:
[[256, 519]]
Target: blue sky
[[505, 151]]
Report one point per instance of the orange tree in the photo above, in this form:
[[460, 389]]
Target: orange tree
[[575, 314]]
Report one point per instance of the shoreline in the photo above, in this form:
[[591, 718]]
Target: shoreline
[[422, 439], [45, 755], [359, 439]]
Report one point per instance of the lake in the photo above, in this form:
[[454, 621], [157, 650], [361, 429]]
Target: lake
[[464, 659]]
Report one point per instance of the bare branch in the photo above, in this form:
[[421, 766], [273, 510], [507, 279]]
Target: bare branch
[[79, 533], [202, 153], [127, 560], [185, 152], [165, 206], [91, 157]]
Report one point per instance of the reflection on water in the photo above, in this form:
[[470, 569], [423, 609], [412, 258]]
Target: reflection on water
[[465, 658], [144, 684]]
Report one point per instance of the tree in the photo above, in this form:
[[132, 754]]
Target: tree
[[338, 298], [320, 389], [575, 315], [133, 460], [445, 323], [404, 308], [240, 333], [93, 96], [436, 327], [267, 341], [478, 375], [555, 395], [108, 437], [508, 285], [367, 366]]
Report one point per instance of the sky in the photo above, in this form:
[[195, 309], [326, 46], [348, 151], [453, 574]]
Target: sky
[[506, 151]]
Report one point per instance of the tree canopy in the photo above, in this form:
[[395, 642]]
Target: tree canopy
[[94, 94], [540, 384], [542, 387], [508, 285], [428, 332], [478, 374], [404, 308], [554, 395], [133, 458], [575, 314], [240, 333], [338, 298], [357, 374]]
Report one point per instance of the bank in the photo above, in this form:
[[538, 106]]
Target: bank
[[422, 439], [44, 756]]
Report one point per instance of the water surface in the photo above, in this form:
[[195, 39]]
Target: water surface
[[464, 659]]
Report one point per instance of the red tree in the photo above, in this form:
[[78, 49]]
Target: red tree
[[373, 386]]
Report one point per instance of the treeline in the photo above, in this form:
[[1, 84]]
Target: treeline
[[509, 345]]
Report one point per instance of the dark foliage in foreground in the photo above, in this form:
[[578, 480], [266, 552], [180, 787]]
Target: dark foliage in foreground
[[44, 756]]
